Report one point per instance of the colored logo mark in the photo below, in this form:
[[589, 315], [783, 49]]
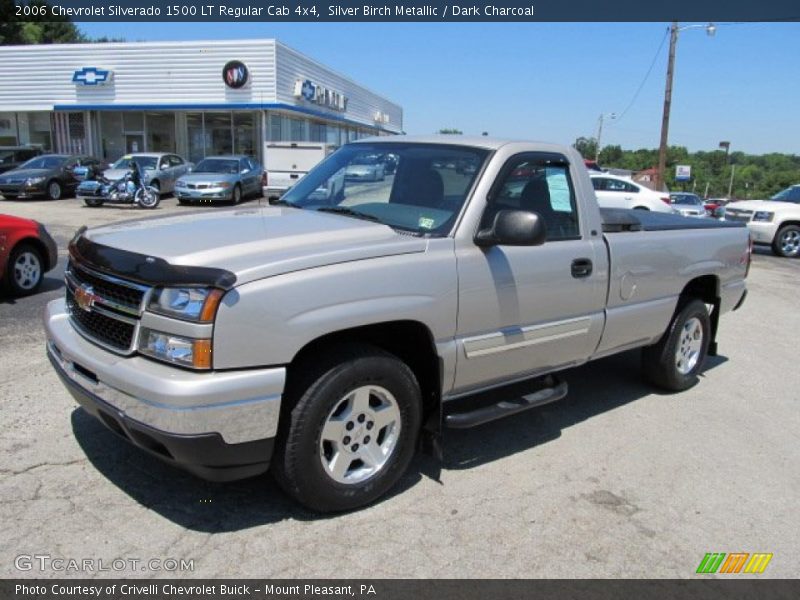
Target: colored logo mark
[[91, 76], [736, 562]]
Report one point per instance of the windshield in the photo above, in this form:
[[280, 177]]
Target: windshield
[[45, 162], [689, 199], [790, 194], [217, 165], [145, 162], [422, 192]]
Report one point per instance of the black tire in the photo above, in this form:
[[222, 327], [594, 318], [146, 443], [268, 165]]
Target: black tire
[[25, 281], [660, 362], [92, 202], [787, 242], [326, 380], [54, 190], [236, 195], [640, 208]]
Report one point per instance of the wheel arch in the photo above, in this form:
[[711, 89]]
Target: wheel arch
[[411, 341], [707, 289], [40, 247]]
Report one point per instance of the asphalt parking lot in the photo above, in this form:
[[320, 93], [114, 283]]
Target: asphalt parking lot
[[614, 481]]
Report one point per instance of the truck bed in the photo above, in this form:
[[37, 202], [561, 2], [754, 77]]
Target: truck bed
[[617, 220]]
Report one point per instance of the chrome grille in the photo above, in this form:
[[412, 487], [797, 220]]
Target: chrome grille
[[741, 216], [110, 317]]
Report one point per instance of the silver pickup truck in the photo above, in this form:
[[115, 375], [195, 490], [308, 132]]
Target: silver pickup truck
[[328, 338]]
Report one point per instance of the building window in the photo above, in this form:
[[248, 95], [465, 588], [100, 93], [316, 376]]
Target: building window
[[160, 129], [245, 133]]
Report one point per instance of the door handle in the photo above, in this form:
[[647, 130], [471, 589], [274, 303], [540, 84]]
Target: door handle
[[581, 267]]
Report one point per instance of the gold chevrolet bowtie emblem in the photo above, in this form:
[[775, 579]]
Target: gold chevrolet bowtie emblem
[[84, 297]]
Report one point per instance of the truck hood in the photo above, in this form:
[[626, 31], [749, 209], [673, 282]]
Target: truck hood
[[253, 243], [766, 205]]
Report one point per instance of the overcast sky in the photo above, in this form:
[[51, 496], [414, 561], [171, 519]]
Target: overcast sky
[[552, 81]]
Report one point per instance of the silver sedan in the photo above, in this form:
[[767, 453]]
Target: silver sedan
[[215, 178]]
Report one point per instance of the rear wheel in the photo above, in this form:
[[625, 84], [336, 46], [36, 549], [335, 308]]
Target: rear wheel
[[25, 270], [92, 202], [352, 432], [674, 362], [787, 242]]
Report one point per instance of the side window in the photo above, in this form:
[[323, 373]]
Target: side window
[[175, 161], [631, 189], [540, 186], [794, 195], [599, 183]]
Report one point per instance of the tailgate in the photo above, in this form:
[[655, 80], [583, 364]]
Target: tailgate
[[283, 180]]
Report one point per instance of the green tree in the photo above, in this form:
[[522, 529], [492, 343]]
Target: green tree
[[587, 147], [47, 29]]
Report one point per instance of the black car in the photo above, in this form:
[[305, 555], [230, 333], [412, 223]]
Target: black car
[[49, 175], [13, 156]]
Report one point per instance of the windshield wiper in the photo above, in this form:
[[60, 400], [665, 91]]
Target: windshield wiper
[[348, 212]]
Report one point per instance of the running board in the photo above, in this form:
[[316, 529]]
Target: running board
[[511, 404]]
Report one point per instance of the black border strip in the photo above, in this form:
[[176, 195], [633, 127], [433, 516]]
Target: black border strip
[[145, 269]]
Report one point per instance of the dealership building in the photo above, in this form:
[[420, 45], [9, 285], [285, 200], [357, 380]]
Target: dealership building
[[195, 98]]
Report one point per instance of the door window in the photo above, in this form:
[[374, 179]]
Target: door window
[[537, 185]]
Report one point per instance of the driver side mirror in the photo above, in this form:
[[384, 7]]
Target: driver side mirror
[[245, 171], [513, 228]]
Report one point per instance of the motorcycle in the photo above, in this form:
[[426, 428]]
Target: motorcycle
[[96, 190]]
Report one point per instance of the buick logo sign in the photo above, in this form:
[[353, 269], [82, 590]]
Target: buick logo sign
[[235, 74]]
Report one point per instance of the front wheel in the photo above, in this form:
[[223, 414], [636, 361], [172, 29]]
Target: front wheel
[[236, 196], [147, 197], [352, 432], [787, 242], [25, 270], [674, 362], [54, 190]]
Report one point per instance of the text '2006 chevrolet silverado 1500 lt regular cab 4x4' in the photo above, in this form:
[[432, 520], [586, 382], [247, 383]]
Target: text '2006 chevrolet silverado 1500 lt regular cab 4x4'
[[325, 338]]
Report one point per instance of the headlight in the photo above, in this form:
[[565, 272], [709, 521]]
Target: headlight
[[191, 304], [222, 184], [763, 215], [34, 180], [175, 349], [180, 183]]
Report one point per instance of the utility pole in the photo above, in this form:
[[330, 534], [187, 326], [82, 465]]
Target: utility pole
[[600, 133], [662, 147], [730, 185]]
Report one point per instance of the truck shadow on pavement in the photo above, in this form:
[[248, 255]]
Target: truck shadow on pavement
[[222, 507]]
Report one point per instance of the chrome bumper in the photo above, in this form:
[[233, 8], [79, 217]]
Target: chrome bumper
[[241, 406]]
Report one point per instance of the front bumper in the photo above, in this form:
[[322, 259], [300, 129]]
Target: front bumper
[[205, 195], [762, 232], [218, 425], [22, 191]]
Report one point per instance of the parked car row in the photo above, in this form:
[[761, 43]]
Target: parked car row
[[54, 176]]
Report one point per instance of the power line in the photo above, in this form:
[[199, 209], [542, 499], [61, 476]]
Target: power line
[[646, 77]]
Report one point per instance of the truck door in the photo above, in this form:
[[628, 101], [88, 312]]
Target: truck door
[[530, 309]]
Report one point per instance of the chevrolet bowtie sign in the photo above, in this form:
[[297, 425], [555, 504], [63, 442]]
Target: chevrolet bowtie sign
[[92, 76], [313, 92]]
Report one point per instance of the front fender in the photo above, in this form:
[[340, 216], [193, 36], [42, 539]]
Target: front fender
[[267, 322]]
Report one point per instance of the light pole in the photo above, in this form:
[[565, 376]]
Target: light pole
[[600, 132], [662, 147]]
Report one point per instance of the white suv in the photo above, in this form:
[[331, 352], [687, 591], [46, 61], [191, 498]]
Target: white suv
[[613, 191], [774, 222]]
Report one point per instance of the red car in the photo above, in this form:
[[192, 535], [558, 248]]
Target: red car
[[27, 252]]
